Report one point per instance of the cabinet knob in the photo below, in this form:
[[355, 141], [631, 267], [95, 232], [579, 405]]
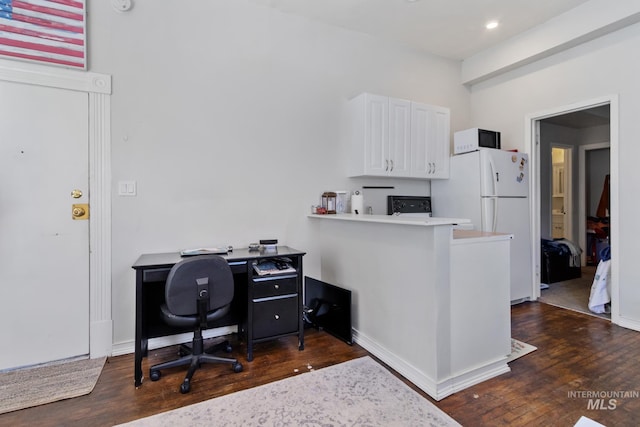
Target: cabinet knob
[[276, 286], [277, 316]]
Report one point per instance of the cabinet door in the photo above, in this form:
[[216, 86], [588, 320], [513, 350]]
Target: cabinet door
[[376, 128], [558, 181], [399, 159], [429, 141], [557, 226], [438, 148]]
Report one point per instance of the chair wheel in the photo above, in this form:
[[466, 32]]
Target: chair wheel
[[237, 367], [154, 375], [185, 387]]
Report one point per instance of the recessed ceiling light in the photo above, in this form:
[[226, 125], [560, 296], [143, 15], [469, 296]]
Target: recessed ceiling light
[[491, 25]]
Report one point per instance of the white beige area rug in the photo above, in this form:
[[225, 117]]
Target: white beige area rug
[[359, 392], [24, 388], [519, 349]]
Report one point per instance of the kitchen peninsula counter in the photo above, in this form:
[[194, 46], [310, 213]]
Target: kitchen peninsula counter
[[392, 219], [430, 301]]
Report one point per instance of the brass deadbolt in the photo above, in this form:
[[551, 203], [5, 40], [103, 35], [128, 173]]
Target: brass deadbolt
[[80, 211], [76, 194]]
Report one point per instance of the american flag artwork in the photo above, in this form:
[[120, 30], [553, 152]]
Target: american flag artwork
[[49, 31]]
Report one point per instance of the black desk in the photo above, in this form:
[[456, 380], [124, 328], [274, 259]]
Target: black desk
[[264, 307]]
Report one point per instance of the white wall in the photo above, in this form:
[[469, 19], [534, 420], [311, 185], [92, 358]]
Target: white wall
[[227, 115], [603, 67]]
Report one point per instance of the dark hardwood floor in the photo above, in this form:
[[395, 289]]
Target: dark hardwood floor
[[576, 353]]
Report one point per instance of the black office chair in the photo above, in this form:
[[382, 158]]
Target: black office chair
[[199, 290]]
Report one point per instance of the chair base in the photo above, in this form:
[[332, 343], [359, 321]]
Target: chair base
[[194, 357]]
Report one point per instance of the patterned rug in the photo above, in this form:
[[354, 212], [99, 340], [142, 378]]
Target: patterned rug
[[24, 388], [359, 392]]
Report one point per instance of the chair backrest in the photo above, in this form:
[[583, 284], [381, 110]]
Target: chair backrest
[[189, 277]]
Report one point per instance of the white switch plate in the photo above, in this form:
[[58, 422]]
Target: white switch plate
[[126, 188]]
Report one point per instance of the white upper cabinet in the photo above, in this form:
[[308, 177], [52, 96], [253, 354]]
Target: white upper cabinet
[[429, 141], [398, 138]]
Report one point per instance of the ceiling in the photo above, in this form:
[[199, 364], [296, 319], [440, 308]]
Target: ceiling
[[596, 116], [452, 29]]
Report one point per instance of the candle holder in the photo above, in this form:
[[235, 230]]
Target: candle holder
[[329, 199]]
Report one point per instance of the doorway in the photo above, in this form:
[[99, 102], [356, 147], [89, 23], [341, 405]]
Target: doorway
[[595, 169], [559, 188]]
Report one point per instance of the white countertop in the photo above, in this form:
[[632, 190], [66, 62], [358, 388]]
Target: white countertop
[[392, 219], [465, 236]]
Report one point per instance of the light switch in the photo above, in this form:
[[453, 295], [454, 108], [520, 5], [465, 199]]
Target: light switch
[[126, 188]]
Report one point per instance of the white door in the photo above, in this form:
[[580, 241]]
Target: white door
[[44, 276]]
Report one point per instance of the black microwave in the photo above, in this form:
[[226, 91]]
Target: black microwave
[[474, 138]]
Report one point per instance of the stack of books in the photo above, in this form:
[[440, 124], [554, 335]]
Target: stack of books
[[267, 268]]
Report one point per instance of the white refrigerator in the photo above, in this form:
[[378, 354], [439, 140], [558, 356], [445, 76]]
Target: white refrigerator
[[491, 188]]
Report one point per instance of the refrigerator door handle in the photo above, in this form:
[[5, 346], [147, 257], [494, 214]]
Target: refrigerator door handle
[[495, 177], [494, 226], [489, 217]]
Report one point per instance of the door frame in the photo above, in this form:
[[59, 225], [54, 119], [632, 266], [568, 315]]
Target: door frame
[[582, 223], [532, 144], [98, 88]]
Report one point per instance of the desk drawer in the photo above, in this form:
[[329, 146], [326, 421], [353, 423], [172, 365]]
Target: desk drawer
[[161, 274], [238, 267], [274, 286], [275, 317], [155, 275]]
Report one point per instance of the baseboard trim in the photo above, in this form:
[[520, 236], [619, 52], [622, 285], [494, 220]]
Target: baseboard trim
[[437, 390], [478, 375], [128, 347], [626, 323]]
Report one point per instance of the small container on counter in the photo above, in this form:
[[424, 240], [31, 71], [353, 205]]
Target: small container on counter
[[329, 199]]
